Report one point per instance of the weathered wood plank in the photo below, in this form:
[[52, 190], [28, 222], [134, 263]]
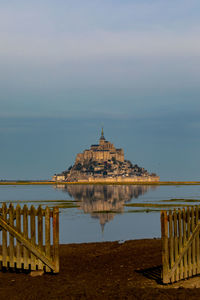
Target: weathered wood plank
[[171, 243], [33, 236], [40, 234], [1, 258], [18, 229], [11, 238], [47, 236], [4, 237], [176, 274], [188, 236], [194, 271], [165, 250], [197, 240], [180, 236], [185, 263], [56, 238], [25, 233]]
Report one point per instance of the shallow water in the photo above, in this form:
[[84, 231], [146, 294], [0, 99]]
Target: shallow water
[[90, 213]]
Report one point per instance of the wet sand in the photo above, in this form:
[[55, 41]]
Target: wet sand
[[110, 270]]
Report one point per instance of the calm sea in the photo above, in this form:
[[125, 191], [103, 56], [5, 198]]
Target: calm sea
[[91, 213]]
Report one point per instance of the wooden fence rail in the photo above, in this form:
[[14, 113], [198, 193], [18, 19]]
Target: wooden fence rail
[[29, 238], [180, 230]]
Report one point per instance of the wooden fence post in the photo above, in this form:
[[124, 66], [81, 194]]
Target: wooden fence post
[[18, 228], [185, 263], [176, 275], [171, 242], [47, 236], [194, 272], [188, 236], [165, 251], [4, 237], [33, 237], [40, 234], [180, 241], [11, 238], [25, 233], [56, 238], [197, 239]]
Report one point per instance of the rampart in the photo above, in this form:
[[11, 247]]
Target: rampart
[[121, 179]]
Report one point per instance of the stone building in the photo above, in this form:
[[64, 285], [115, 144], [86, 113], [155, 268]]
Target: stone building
[[104, 163], [103, 151]]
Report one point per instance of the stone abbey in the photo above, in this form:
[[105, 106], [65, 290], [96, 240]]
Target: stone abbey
[[104, 163], [104, 151]]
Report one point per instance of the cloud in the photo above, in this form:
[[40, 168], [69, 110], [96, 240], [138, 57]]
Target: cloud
[[66, 57], [99, 46], [51, 32]]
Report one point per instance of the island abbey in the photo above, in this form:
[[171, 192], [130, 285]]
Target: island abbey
[[104, 151], [104, 163]]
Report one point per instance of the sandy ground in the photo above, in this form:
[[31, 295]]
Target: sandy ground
[[110, 270]]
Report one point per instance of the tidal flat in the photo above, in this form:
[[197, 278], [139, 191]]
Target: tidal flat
[[108, 270], [96, 213]]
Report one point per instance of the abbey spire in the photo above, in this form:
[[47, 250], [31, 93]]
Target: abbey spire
[[102, 135]]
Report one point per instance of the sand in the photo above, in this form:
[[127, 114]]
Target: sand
[[109, 270]]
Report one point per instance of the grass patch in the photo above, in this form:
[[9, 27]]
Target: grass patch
[[182, 200], [66, 205], [50, 203], [155, 205], [148, 210], [43, 201]]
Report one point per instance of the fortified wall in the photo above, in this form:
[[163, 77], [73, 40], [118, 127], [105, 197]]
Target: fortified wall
[[120, 179]]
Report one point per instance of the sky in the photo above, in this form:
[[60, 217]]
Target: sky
[[67, 68]]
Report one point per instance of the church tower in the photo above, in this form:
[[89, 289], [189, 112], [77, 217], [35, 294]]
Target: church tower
[[102, 138]]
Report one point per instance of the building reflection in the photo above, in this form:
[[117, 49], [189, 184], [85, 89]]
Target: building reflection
[[103, 201]]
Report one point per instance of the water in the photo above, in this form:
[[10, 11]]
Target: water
[[91, 213]]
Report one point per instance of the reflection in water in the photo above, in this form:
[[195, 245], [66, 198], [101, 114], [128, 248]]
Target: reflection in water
[[102, 201]]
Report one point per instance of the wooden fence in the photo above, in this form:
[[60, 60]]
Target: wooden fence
[[180, 230], [29, 238]]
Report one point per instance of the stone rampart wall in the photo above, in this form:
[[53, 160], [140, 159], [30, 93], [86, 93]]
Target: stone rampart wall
[[123, 179]]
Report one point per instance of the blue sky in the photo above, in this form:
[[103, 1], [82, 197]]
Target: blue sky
[[67, 67]]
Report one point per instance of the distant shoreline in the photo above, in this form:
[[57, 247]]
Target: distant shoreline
[[24, 182]]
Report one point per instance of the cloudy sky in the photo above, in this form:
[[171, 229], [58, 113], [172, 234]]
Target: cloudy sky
[[69, 67]]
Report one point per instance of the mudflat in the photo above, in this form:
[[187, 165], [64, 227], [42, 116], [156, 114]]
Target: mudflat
[[108, 270]]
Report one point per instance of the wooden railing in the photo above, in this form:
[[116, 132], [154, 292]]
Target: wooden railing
[[180, 232], [29, 238]]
